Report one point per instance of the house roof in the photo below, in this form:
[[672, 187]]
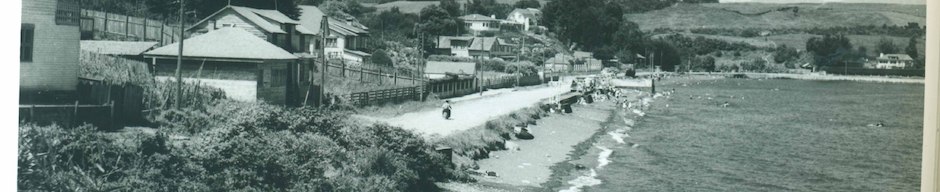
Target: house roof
[[117, 47], [900, 57], [559, 59], [311, 16], [528, 12], [477, 44], [225, 43], [441, 67], [359, 53], [476, 17], [443, 42], [582, 54], [266, 19]]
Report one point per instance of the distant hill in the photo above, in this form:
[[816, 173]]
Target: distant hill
[[416, 6], [759, 15]]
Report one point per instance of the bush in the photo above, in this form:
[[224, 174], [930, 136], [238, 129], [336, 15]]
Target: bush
[[240, 146], [522, 67]]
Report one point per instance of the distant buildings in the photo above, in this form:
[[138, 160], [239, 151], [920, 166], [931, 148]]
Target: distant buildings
[[477, 23], [528, 17], [894, 61], [475, 47], [49, 50]]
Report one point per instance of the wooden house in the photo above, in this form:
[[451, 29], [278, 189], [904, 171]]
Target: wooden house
[[240, 63], [345, 39], [49, 51], [269, 25], [477, 23]]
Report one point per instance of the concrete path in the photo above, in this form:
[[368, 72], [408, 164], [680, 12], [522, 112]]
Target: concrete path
[[474, 112]]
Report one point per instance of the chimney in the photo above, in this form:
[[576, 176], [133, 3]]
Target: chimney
[[349, 20], [882, 55], [493, 16]]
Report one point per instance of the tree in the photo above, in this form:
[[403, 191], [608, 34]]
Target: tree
[[665, 55], [912, 48], [567, 19], [829, 49], [887, 46], [435, 21], [522, 4], [380, 58], [451, 6], [488, 8]]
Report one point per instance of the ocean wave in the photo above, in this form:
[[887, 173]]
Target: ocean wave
[[583, 181]]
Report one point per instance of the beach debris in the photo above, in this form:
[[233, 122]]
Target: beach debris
[[639, 113], [491, 174], [525, 135], [634, 145], [726, 104], [579, 167]]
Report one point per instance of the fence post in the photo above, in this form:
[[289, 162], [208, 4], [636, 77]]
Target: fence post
[[75, 120], [144, 38], [396, 77], [361, 73], [162, 32], [105, 23], [127, 27], [343, 71], [112, 114]]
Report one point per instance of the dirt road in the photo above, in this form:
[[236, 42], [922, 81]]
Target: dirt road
[[471, 113]]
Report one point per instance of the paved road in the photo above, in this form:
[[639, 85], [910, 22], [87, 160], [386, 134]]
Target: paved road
[[472, 113]]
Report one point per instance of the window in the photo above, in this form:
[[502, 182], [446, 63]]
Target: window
[[67, 13], [26, 42]]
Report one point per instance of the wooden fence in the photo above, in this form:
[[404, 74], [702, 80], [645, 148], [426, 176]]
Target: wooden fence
[[373, 73], [386, 96], [876, 72], [136, 28]]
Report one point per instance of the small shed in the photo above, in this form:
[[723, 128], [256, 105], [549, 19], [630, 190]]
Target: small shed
[[243, 65]]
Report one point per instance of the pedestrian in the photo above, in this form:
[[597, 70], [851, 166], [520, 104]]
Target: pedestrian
[[446, 109]]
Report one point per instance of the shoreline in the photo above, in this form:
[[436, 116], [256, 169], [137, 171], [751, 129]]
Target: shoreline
[[821, 77]]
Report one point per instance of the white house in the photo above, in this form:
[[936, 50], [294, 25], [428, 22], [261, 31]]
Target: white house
[[345, 39], [528, 17], [894, 61], [49, 49], [477, 23]]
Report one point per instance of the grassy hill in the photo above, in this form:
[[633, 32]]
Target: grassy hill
[[798, 41], [757, 15]]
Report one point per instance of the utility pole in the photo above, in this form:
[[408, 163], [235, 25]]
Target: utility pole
[[324, 32], [179, 62]]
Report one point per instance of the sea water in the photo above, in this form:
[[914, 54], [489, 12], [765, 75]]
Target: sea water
[[773, 135]]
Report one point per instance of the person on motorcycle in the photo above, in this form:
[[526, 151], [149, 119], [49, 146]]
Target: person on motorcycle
[[446, 107]]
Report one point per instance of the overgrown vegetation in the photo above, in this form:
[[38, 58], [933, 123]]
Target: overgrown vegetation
[[476, 143], [238, 146]]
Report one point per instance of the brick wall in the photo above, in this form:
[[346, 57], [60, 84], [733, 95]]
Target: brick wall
[[55, 50]]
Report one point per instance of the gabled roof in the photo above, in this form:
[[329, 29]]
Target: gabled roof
[[117, 47], [476, 44], [528, 12], [476, 17], [443, 42], [266, 19], [582, 54], [441, 67], [310, 17], [225, 43], [900, 57]]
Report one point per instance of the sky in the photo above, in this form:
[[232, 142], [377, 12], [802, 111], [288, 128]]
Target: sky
[[829, 1]]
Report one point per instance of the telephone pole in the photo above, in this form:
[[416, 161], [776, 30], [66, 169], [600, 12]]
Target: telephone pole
[[324, 32], [179, 62]]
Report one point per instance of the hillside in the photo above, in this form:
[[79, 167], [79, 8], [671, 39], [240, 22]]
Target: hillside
[[798, 41], [416, 6], [757, 15]]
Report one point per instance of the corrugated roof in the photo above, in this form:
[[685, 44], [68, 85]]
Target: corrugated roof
[[360, 53], [249, 13], [117, 47], [476, 17], [274, 15], [310, 18], [444, 41], [441, 67], [225, 43]]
